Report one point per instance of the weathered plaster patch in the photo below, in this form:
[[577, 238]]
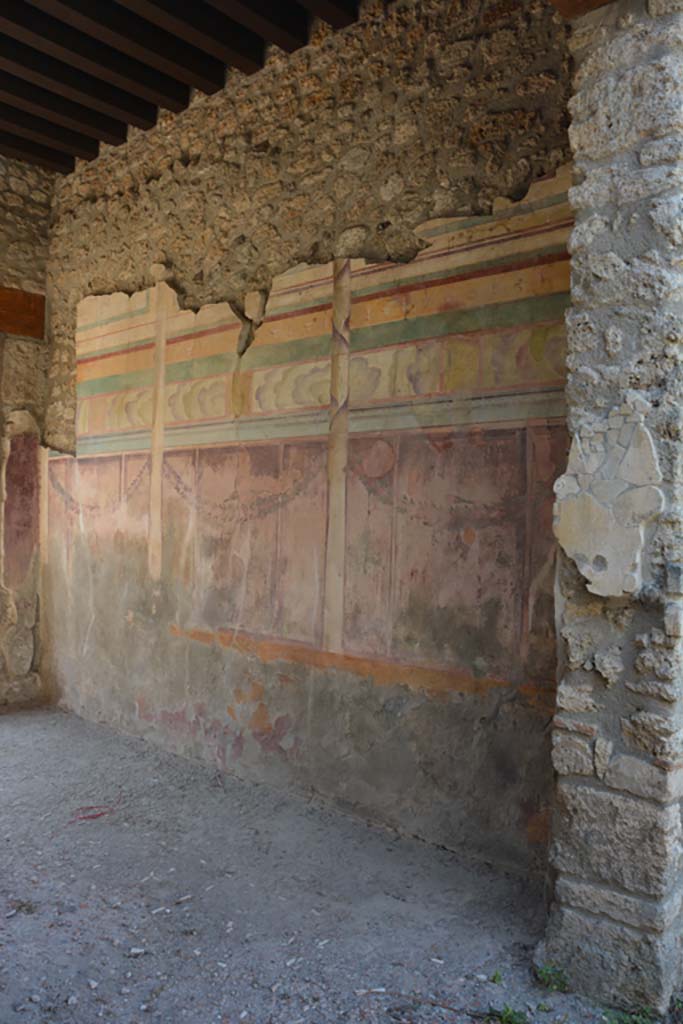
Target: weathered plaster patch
[[606, 498]]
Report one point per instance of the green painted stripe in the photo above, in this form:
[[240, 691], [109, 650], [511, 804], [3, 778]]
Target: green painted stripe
[[205, 366], [117, 382], [134, 441], [519, 314], [297, 350]]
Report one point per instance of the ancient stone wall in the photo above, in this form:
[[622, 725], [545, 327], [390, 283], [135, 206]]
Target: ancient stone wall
[[25, 197], [617, 742], [422, 109]]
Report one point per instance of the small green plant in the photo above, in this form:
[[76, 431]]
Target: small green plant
[[543, 1008], [508, 1016], [496, 978], [625, 1017], [552, 977]]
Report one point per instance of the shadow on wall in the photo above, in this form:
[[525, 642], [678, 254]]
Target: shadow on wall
[[19, 680], [195, 587]]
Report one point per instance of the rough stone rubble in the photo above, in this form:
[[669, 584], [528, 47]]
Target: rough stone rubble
[[25, 198]]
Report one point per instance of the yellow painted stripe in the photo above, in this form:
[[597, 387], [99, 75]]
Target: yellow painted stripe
[[546, 279], [126, 362]]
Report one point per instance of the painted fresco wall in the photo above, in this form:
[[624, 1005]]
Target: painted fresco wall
[[195, 588]]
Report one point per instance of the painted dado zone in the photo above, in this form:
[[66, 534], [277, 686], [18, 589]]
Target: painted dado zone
[[197, 588]]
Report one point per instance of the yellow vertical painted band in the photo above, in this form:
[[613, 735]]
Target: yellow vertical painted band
[[164, 303], [337, 458]]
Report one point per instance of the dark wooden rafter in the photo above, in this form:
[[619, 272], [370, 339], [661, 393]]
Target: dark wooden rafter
[[111, 24], [44, 104], [286, 25], [74, 73], [23, 149], [33, 66], [37, 129], [338, 13], [205, 28], [28, 25]]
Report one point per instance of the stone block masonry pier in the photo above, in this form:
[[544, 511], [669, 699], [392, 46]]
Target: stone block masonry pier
[[617, 736]]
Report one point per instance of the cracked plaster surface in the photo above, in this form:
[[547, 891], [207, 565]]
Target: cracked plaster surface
[[606, 499]]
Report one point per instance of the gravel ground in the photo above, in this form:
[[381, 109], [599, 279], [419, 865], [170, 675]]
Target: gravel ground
[[203, 899]]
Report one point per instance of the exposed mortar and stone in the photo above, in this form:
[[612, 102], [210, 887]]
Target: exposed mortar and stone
[[25, 200]]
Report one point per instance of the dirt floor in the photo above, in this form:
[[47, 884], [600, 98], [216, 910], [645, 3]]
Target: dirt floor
[[182, 896]]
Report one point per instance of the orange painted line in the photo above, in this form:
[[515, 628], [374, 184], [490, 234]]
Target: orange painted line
[[382, 671]]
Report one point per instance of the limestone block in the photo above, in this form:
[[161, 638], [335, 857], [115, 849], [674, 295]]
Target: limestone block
[[657, 688], [667, 216], [652, 915], [609, 664], [601, 756], [610, 961], [656, 734], [616, 839], [572, 755], [575, 698], [643, 778]]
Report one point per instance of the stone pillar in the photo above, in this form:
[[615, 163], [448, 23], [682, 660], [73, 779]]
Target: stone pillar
[[615, 926]]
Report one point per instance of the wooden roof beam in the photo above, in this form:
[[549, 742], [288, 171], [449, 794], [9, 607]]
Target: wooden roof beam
[[204, 27], [28, 25], [285, 24], [32, 66], [113, 25], [32, 153], [43, 104], [46, 134], [337, 13]]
